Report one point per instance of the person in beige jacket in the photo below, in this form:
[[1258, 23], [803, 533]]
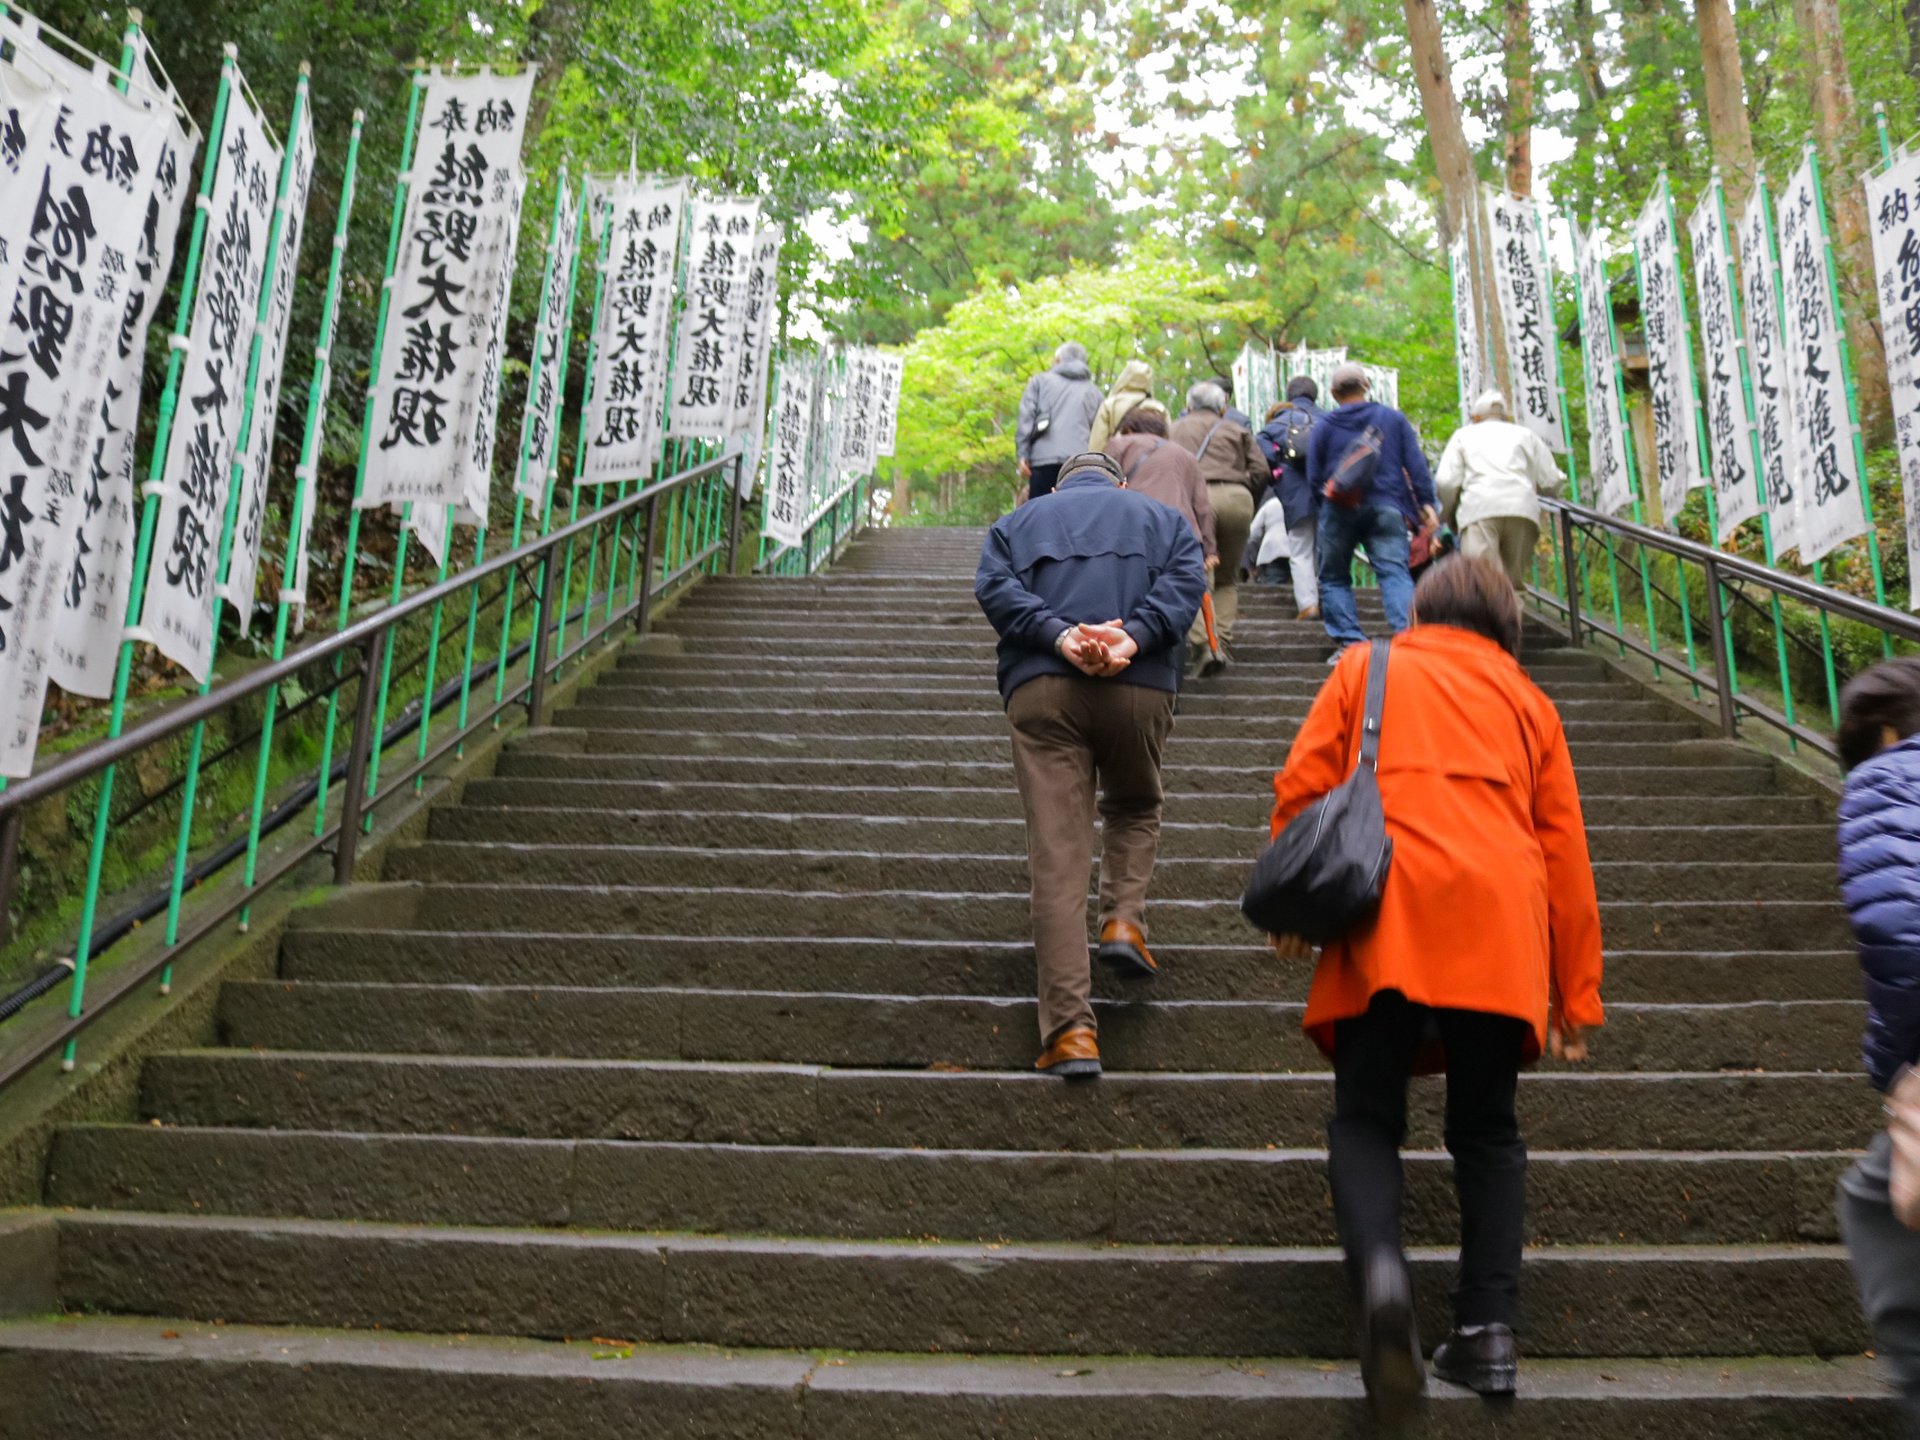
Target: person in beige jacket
[[1490, 479], [1134, 385]]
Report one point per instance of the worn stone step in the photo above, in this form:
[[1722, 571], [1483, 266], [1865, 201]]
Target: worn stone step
[[978, 1032], [767, 1104], [852, 965], [1175, 878], [723, 830], [1739, 776], [591, 790], [951, 1296], [106, 1379], [1170, 1197]]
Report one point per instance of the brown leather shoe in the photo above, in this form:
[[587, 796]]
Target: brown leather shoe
[[1123, 950], [1312, 612], [1074, 1054]]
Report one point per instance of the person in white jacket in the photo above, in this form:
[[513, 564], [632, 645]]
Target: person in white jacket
[[1491, 477]]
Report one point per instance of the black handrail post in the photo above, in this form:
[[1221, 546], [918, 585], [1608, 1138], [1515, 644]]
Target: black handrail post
[[354, 796], [733, 524], [644, 613], [1722, 650], [537, 689], [1570, 568]]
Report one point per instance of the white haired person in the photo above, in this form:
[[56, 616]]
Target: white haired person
[[1491, 477]]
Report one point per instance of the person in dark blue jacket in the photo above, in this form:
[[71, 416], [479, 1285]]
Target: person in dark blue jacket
[[1880, 881], [1284, 440], [1092, 589], [1401, 496]]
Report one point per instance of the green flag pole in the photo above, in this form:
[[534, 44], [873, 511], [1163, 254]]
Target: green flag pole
[[304, 479]]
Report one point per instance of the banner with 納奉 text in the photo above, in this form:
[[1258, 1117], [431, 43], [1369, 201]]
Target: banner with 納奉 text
[[1830, 509], [1893, 215], [893, 370], [628, 385], [1606, 432], [431, 407], [1729, 428], [1523, 287], [712, 325], [788, 449], [490, 338], [1466, 326], [1767, 371], [1676, 450], [549, 343], [860, 411], [746, 418]]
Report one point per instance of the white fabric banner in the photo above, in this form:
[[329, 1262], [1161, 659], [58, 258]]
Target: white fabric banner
[[860, 412], [1676, 449], [1893, 208], [430, 406], [54, 364], [430, 524], [1767, 370], [1736, 486], [87, 638], [712, 318], [491, 299], [629, 381], [788, 499], [1606, 435], [1466, 328], [1523, 285], [256, 461], [893, 369], [550, 343], [747, 414], [1830, 510], [29, 104]]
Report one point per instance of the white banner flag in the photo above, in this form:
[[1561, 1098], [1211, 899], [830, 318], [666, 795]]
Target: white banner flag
[[629, 381], [490, 300], [1830, 508], [860, 412], [1466, 327], [712, 319], [893, 369], [54, 364], [430, 524], [788, 449], [1676, 449], [1767, 370], [551, 337], [430, 406], [92, 623], [257, 460], [747, 414], [1606, 435], [29, 104], [1523, 284], [1729, 427], [1893, 206]]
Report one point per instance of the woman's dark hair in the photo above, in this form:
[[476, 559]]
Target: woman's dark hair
[[1470, 595], [1143, 420], [1885, 697]]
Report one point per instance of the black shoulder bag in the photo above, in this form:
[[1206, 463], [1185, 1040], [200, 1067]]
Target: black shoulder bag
[[1325, 872]]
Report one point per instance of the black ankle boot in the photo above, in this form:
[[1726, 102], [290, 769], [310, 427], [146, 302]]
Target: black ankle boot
[[1483, 1358], [1389, 1342]]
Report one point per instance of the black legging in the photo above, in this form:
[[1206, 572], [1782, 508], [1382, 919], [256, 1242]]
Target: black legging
[[1372, 1061]]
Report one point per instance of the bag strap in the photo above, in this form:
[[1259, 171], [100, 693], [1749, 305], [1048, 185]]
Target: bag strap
[[1376, 703], [1142, 459], [1212, 430]]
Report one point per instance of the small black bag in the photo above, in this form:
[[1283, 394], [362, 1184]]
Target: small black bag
[[1323, 875], [1352, 477]]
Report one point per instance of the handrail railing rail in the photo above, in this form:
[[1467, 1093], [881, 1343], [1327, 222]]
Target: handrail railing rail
[[534, 562]]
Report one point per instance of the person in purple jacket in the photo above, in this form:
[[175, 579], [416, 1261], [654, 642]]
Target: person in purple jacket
[[1880, 881]]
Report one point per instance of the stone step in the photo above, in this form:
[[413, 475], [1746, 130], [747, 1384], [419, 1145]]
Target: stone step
[[857, 872], [551, 824], [766, 1104], [106, 1379], [977, 1032], [589, 789], [943, 1296], [849, 965], [1739, 776], [1142, 1197]]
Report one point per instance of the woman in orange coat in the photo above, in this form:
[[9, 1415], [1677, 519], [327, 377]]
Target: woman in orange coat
[[1485, 952]]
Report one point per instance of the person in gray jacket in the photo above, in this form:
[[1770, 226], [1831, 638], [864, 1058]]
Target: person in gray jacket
[[1056, 417]]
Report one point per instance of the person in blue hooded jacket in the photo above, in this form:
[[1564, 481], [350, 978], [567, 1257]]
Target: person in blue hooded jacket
[[1399, 499], [1880, 880]]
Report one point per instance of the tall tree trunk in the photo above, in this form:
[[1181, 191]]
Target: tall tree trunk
[[554, 32], [1519, 106], [1837, 128], [1726, 99], [1910, 12]]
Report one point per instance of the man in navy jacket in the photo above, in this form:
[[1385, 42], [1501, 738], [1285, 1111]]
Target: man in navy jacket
[[1401, 495], [1092, 589]]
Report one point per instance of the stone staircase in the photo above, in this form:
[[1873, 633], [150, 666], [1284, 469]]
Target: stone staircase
[[698, 1038]]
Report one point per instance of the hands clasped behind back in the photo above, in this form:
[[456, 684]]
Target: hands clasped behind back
[[1101, 651]]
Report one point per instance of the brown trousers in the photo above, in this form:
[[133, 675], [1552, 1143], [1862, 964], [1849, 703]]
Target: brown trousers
[[1073, 736]]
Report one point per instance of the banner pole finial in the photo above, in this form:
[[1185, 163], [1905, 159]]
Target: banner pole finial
[[231, 51], [134, 17]]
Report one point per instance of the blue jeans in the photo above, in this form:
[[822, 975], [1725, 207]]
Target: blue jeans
[[1382, 531]]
